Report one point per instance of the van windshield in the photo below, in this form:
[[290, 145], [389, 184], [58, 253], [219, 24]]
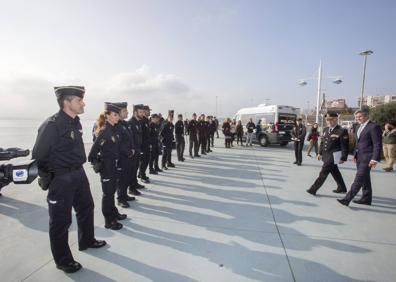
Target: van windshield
[[287, 118]]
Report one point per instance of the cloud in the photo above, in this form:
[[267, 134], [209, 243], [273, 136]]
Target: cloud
[[143, 82]]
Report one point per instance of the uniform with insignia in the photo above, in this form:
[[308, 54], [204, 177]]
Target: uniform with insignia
[[154, 147], [167, 142], [106, 151], [180, 142], [125, 163], [334, 143], [145, 154], [202, 134], [59, 151], [193, 137], [136, 127]]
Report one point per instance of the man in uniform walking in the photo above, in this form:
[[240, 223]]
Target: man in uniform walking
[[333, 150], [60, 154], [193, 131], [180, 142]]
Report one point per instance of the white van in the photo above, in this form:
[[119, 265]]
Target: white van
[[276, 122]]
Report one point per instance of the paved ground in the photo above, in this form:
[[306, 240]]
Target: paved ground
[[239, 214]]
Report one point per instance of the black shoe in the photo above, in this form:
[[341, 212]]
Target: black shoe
[[145, 180], [299, 164], [129, 198], [362, 202], [343, 202], [157, 169], [152, 171], [295, 162], [182, 159], [95, 245], [71, 267], [339, 191], [120, 216], [123, 204], [312, 192], [309, 155], [197, 156], [114, 225], [191, 156], [203, 153], [139, 186], [135, 192], [171, 165], [164, 168]]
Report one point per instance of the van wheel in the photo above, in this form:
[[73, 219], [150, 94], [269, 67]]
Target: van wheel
[[263, 141], [283, 144]]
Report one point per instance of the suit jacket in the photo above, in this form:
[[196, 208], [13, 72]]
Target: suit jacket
[[299, 132], [369, 144]]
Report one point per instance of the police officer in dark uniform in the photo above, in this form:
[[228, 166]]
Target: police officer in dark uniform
[[180, 142], [136, 128], [145, 154], [59, 151], [104, 156], [208, 141], [298, 134], [127, 152], [154, 144], [167, 141], [334, 144], [202, 134], [192, 132]]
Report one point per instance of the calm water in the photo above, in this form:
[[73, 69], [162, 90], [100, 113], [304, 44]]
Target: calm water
[[22, 133]]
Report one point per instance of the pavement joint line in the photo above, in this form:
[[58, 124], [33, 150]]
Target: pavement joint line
[[273, 216], [36, 270]]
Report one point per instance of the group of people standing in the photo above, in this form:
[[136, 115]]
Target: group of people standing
[[122, 152], [234, 130]]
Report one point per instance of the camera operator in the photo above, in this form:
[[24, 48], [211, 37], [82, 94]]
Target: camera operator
[[60, 154]]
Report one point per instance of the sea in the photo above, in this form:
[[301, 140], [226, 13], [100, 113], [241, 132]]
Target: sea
[[22, 133]]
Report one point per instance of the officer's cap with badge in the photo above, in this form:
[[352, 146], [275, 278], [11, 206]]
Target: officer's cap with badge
[[331, 115], [146, 108], [62, 91], [112, 107]]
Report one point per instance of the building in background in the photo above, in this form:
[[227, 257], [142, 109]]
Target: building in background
[[374, 101]]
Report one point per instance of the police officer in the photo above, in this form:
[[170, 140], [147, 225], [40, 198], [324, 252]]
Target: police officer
[[154, 144], [202, 134], [333, 151], [193, 131], [180, 142], [298, 136], [127, 152], [207, 128], [105, 153], [145, 154], [136, 127], [212, 130], [167, 141], [59, 151]]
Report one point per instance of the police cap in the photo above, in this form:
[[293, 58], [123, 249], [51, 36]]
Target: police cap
[[111, 107], [78, 91]]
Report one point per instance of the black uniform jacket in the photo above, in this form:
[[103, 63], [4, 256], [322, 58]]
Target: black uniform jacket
[[337, 140]]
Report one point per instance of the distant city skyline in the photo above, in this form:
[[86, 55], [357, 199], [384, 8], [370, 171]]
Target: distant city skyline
[[182, 54]]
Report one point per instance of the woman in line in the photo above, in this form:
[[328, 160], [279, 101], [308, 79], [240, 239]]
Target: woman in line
[[104, 156]]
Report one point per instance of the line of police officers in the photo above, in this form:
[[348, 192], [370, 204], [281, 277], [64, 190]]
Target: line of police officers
[[121, 153]]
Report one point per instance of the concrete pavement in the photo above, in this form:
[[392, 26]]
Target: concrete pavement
[[239, 214]]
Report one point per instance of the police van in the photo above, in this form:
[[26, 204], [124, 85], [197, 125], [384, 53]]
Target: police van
[[275, 122]]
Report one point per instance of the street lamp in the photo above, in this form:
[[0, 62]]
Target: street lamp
[[303, 82], [365, 54]]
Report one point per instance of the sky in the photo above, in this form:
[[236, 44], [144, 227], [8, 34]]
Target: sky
[[192, 56]]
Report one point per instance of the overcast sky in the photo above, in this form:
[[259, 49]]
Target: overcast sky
[[182, 54]]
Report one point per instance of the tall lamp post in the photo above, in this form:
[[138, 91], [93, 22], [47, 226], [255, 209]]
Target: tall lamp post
[[303, 82], [365, 54]]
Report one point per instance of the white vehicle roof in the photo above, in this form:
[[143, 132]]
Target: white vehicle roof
[[263, 108]]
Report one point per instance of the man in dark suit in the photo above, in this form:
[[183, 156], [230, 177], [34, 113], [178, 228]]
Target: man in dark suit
[[333, 150], [366, 156], [298, 134]]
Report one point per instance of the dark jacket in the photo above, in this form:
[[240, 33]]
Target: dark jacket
[[154, 134], [136, 129], [369, 144], [179, 127], [250, 126], [127, 146], [106, 144], [167, 132], [337, 140], [299, 132]]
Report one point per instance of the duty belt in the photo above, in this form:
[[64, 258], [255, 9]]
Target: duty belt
[[61, 171]]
